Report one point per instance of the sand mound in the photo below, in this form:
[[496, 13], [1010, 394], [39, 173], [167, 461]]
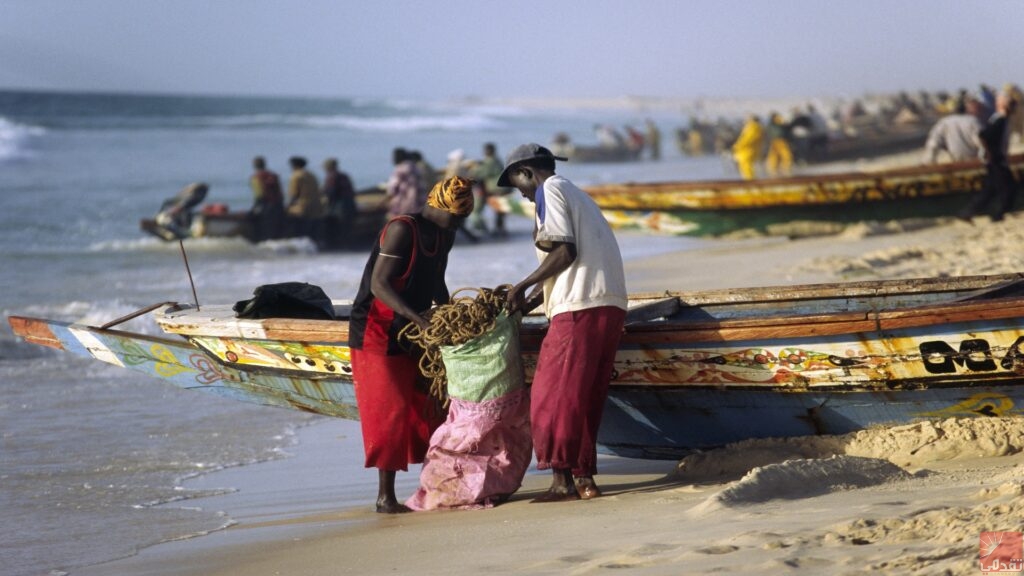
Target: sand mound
[[982, 248], [952, 533], [955, 438], [795, 479], [909, 445]]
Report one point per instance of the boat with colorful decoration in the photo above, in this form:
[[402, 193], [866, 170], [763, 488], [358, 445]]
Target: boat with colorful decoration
[[695, 370], [714, 208]]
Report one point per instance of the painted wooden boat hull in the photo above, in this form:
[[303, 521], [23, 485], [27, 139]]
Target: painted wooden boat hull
[[718, 207], [714, 368]]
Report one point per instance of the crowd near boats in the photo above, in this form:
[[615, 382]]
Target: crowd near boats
[[941, 182], [768, 153]]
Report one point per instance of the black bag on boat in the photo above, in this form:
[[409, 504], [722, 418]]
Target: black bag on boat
[[286, 300]]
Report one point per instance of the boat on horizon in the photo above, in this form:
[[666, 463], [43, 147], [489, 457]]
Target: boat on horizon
[[694, 371]]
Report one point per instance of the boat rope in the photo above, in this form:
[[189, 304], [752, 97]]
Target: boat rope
[[138, 312], [459, 321]]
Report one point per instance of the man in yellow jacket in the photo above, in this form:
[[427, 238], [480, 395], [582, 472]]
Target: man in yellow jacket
[[747, 148], [780, 157]]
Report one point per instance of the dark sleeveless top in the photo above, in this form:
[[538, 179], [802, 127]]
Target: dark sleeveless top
[[373, 326]]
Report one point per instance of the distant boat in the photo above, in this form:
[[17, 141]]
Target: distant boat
[[695, 370], [599, 153], [874, 143], [713, 208], [217, 221]]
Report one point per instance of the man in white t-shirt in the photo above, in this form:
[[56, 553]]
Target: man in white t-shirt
[[582, 284]]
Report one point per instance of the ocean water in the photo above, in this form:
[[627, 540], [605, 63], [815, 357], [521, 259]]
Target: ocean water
[[93, 459]]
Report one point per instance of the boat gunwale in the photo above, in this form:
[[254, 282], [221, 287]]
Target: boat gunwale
[[666, 329], [720, 186]]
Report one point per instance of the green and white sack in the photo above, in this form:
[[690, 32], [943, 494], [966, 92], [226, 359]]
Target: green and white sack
[[488, 366]]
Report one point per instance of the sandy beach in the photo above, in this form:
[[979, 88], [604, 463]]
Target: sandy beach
[[905, 500]]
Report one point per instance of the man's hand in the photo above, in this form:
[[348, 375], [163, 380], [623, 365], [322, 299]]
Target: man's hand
[[516, 299], [519, 302]]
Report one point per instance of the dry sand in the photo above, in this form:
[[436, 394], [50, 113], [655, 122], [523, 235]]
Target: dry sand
[[900, 500]]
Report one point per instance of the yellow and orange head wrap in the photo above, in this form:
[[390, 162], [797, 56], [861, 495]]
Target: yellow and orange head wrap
[[453, 195]]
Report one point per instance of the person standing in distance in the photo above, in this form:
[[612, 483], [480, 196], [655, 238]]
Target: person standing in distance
[[267, 212], [1000, 184], [581, 282], [403, 277]]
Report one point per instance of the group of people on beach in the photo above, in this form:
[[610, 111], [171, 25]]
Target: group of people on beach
[[325, 212], [774, 143], [579, 280], [984, 129], [322, 213], [613, 145], [413, 177], [957, 134], [779, 142]]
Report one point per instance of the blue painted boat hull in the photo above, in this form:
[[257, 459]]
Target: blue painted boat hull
[[671, 423]]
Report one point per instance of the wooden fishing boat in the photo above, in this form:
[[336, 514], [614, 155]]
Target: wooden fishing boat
[[713, 208], [601, 154], [875, 143], [694, 370], [216, 221], [561, 145]]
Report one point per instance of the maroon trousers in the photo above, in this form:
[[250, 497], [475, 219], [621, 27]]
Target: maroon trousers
[[570, 387]]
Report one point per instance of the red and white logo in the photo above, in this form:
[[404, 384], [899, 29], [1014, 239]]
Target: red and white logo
[[1001, 552]]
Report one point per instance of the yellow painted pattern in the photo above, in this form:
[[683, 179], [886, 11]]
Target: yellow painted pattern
[[982, 404], [325, 359], [167, 364]]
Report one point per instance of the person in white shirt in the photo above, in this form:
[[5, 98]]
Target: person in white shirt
[[581, 282], [957, 135]]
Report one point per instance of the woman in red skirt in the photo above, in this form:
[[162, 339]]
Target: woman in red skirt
[[403, 278]]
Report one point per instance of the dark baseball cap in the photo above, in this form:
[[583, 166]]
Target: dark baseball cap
[[522, 153]]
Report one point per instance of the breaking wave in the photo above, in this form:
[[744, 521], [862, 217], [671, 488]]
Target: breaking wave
[[13, 138]]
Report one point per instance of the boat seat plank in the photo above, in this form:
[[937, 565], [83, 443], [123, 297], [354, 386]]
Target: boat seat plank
[[652, 310]]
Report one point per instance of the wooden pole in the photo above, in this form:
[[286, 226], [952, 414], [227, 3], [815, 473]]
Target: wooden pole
[[184, 256]]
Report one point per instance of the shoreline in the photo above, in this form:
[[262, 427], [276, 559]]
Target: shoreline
[[293, 501], [292, 516]]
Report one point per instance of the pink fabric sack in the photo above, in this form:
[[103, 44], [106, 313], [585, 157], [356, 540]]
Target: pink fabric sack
[[479, 456]]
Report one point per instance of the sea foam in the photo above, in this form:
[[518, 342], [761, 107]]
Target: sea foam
[[13, 138]]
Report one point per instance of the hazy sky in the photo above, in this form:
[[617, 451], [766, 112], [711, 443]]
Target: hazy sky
[[515, 48]]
